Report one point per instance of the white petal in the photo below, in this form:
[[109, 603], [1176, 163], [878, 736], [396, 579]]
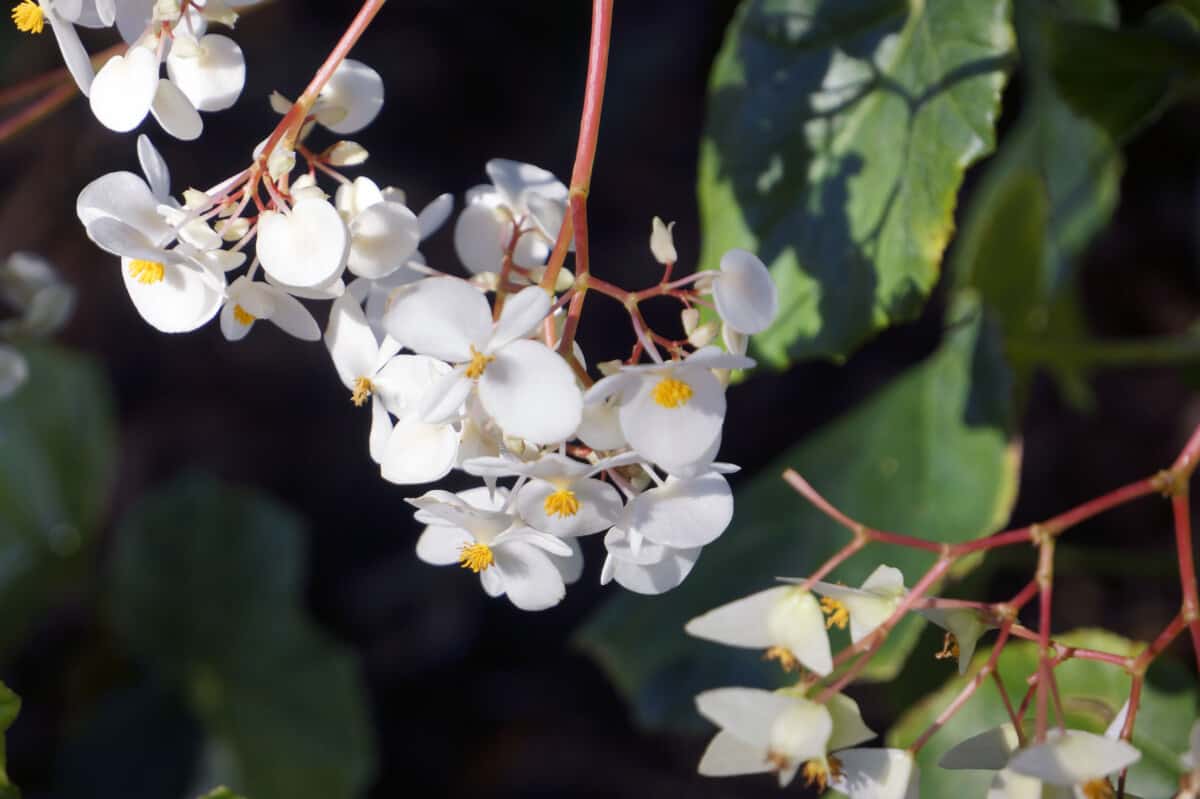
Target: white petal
[[106, 10], [1073, 757], [133, 17], [885, 581], [797, 623], [179, 303], [158, 175], [76, 57], [419, 453], [684, 513], [989, 750], [124, 89], [305, 248], [521, 315], [175, 112], [599, 507], [600, 427], [480, 236], [571, 566], [744, 292], [728, 756], [1008, 784], [442, 545], [118, 238], [404, 381], [434, 215], [531, 580], [14, 370], [877, 774], [547, 214], [126, 197], [679, 436], [618, 387], [351, 199], [714, 358], [966, 626], [515, 180], [654, 578], [440, 316], [356, 91], [444, 400], [382, 239], [351, 343], [801, 732], [212, 77], [381, 430], [290, 316], [531, 393], [742, 622], [848, 727], [747, 712]]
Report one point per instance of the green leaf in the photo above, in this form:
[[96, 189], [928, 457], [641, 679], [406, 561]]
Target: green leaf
[[221, 793], [1125, 79], [57, 462], [929, 456], [1092, 694], [207, 589], [10, 706], [837, 136]]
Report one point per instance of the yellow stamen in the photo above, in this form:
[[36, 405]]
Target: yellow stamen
[[362, 389], [242, 316], [787, 661], [479, 362], [838, 615], [476, 557], [672, 392], [146, 272], [1098, 789], [561, 503], [949, 648], [816, 772], [28, 17]]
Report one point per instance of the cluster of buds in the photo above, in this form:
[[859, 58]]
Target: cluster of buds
[[479, 373], [41, 302], [205, 71]]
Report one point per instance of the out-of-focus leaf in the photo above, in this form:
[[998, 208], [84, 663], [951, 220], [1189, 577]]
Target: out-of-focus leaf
[[1092, 694], [1124, 79], [207, 590], [57, 461], [221, 793], [10, 706], [929, 456], [837, 136]]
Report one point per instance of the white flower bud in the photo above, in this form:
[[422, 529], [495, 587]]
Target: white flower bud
[[218, 11], [486, 281], [279, 103], [609, 368], [195, 200], [690, 317], [233, 229], [662, 242], [346, 153], [165, 11], [281, 162], [703, 335]]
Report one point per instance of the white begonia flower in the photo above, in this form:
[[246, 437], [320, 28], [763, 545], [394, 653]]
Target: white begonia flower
[[562, 497], [866, 607], [351, 100], [745, 293], [173, 294], [683, 512], [472, 530], [877, 774], [210, 70], [305, 247], [485, 227], [30, 284], [14, 370], [383, 234], [964, 626], [672, 413], [763, 731], [642, 566], [786, 621], [124, 88], [662, 242], [248, 301], [414, 451], [600, 427], [525, 386]]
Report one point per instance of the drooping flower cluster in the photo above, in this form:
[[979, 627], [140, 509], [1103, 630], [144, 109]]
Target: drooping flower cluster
[[205, 71], [473, 373], [31, 287]]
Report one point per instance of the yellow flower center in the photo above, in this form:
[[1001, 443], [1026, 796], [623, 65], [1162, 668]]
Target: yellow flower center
[[28, 17], [146, 272], [838, 615], [479, 362], [561, 503], [243, 316], [817, 772], [949, 648], [787, 661], [1098, 789], [476, 557], [671, 392], [362, 389]]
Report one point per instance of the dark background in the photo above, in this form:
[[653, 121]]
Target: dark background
[[471, 697]]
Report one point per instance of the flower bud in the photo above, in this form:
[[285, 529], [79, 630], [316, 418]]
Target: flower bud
[[346, 153], [690, 317], [703, 335], [662, 242]]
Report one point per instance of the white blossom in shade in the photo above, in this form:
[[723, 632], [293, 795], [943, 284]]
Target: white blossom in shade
[[526, 387], [210, 71], [744, 292], [383, 234], [305, 247], [562, 496], [764, 731], [876, 774], [662, 242], [642, 566], [124, 89], [351, 100], [672, 413], [14, 370], [414, 451], [248, 301], [989, 750], [32, 286], [786, 621], [966, 625], [473, 530], [1073, 758], [486, 225], [868, 606], [683, 512]]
